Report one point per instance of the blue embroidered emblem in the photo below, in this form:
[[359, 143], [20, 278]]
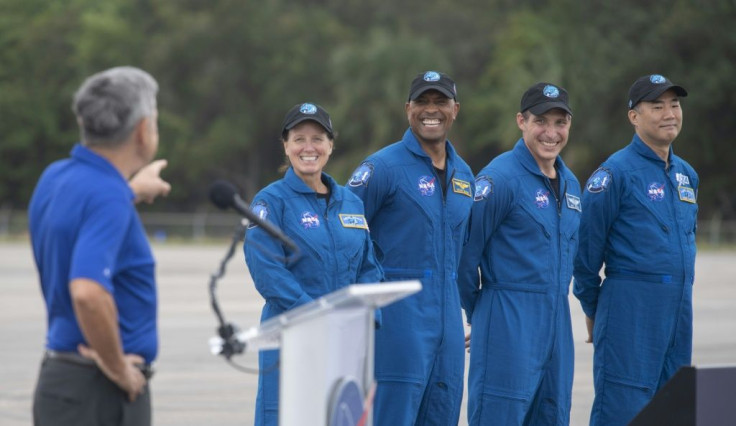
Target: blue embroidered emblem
[[308, 109], [361, 175], [687, 194], [573, 202], [657, 79], [541, 199], [353, 221], [655, 191], [309, 220], [426, 185], [431, 76], [599, 181], [483, 188], [550, 91], [260, 209]]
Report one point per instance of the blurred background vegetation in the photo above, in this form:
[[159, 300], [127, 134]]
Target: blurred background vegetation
[[230, 69]]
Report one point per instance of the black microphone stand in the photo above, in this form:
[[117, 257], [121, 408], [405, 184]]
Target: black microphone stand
[[231, 346]]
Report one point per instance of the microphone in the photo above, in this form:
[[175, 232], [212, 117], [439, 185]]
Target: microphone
[[223, 194]]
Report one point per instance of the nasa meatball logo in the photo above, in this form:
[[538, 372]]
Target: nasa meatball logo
[[426, 185], [309, 220], [541, 199], [655, 191]]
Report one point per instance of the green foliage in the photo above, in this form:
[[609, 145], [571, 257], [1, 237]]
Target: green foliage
[[230, 69]]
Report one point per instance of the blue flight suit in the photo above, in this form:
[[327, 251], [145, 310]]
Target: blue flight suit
[[523, 238], [83, 224], [418, 232], [639, 219], [336, 251]]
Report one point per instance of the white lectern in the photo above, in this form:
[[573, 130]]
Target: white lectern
[[327, 352]]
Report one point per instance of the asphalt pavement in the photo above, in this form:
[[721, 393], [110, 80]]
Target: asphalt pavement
[[194, 387]]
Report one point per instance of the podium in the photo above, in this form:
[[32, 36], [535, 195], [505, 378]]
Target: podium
[[326, 358], [693, 396]]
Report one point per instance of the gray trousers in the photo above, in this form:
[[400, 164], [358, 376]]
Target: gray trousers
[[79, 394]]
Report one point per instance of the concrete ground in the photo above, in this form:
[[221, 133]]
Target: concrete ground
[[193, 387]]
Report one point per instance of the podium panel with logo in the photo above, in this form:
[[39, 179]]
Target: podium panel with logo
[[326, 358]]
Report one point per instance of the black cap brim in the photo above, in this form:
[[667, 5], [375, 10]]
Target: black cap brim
[[542, 108], [656, 93], [438, 88], [303, 119]]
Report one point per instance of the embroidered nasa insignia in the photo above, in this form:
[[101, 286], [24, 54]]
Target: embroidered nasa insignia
[[599, 181], [426, 185], [461, 187], [687, 194], [353, 221], [573, 202], [361, 175], [541, 198], [655, 191], [309, 220], [483, 188], [260, 209]]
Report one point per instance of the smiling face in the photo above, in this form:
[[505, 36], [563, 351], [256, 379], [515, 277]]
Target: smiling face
[[308, 147], [545, 135], [431, 116], [658, 122]]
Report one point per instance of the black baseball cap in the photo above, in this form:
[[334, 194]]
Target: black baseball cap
[[307, 111], [649, 87], [543, 97], [432, 80]]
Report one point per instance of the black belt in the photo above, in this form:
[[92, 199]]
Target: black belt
[[76, 358]]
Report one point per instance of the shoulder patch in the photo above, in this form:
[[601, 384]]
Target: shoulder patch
[[353, 221], [260, 208], [362, 174], [483, 188], [461, 187], [599, 181]]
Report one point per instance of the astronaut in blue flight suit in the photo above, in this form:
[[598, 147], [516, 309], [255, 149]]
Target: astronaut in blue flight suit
[[523, 235], [418, 194], [326, 222], [639, 219]]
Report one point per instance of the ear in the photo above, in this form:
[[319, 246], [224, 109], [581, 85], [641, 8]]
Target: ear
[[141, 131], [456, 110], [406, 109], [520, 121], [633, 117]]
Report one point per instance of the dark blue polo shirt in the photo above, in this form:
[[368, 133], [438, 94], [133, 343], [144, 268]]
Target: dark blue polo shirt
[[83, 224]]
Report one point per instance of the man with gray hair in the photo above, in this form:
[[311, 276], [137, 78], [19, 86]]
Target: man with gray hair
[[94, 262]]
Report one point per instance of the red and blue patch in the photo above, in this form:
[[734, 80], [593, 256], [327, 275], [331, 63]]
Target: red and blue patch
[[541, 198], [309, 220], [426, 185], [655, 191]]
